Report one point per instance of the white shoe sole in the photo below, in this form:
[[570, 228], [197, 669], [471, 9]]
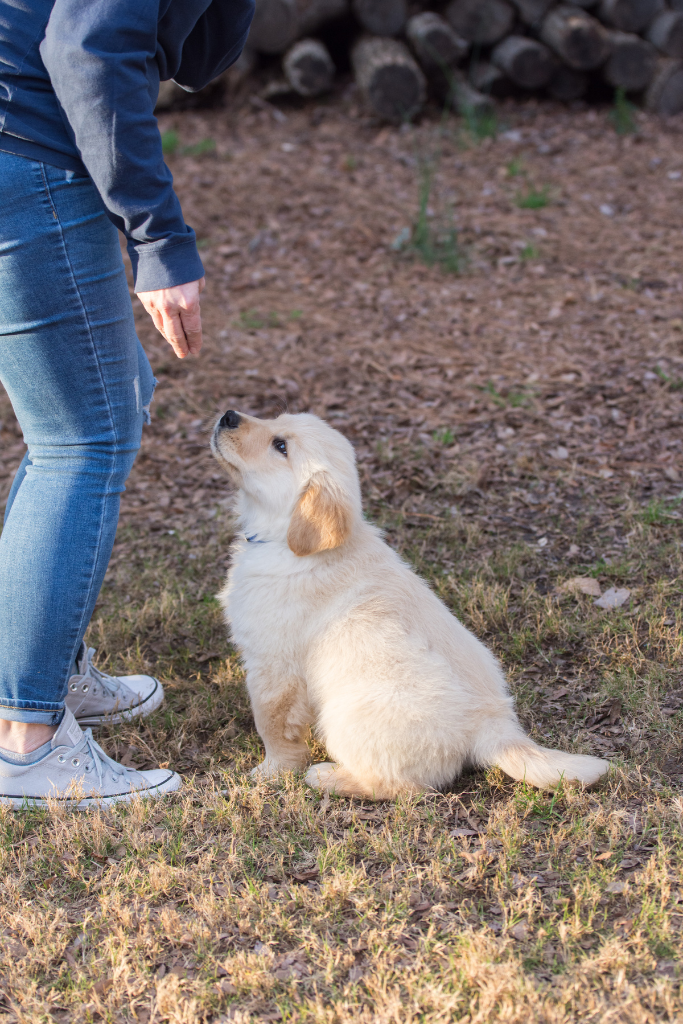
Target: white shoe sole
[[169, 785], [146, 707]]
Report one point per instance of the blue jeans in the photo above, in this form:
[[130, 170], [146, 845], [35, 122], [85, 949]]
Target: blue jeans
[[80, 385]]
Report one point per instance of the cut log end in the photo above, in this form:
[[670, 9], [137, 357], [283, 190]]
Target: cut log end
[[532, 12], [469, 102], [577, 38], [490, 81], [666, 33], [484, 22], [629, 15], [381, 17], [665, 93], [389, 79], [275, 26], [435, 44], [631, 63], [308, 68], [526, 62]]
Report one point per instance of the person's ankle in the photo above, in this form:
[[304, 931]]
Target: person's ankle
[[23, 737]]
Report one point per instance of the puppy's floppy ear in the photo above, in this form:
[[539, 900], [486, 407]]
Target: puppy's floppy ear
[[321, 520]]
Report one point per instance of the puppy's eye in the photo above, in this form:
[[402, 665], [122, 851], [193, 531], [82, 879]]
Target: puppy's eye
[[281, 445]]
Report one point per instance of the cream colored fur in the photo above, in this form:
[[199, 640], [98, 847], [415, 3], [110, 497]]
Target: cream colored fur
[[338, 633]]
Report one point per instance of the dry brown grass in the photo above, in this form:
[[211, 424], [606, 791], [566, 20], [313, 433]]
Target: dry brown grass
[[243, 901]]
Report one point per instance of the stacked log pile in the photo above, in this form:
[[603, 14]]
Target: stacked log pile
[[466, 53]]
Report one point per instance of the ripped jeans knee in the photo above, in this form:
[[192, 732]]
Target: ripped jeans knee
[[144, 385]]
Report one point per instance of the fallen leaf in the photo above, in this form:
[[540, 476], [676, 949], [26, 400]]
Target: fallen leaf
[[305, 876], [606, 855], [520, 931], [561, 691], [16, 950], [613, 598], [226, 988], [615, 887], [208, 656], [667, 967], [581, 585]]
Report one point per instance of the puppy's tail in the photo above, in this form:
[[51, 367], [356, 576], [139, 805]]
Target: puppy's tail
[[526, 761]]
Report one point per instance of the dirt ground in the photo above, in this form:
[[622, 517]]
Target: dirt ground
[[515, 405]]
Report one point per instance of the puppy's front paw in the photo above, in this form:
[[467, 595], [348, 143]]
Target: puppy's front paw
[[320, 776], [266, 770]]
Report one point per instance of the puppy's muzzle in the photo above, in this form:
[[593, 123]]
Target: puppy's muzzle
[[229, 420]]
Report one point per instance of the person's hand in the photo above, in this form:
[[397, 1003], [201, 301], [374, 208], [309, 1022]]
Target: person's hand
[[176, 314]]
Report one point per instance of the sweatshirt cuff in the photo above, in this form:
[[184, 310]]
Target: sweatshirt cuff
[[165, 263]]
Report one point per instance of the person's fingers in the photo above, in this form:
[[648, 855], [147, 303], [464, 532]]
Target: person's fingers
[[174, 333], [176, 314], [192, 325], [157, 320]]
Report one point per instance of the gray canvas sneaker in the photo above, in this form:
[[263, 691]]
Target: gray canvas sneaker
[[96, 698], [77, 771]]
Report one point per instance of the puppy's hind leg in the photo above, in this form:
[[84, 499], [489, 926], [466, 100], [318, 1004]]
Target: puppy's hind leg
[[334, 778]]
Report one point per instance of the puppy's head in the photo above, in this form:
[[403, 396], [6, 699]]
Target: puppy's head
[[296, 477]]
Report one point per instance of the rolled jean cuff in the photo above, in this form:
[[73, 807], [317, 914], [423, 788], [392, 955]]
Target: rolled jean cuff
[[33, 712]]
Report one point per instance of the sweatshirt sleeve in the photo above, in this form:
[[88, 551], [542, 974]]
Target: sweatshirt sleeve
[[205, 53], [100, 56]]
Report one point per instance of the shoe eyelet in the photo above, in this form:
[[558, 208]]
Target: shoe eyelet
[[85, 687], [61, 758], [75, 762], [88, 767], [73, 687]]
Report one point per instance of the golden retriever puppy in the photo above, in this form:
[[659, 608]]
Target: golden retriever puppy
[[338, 633]]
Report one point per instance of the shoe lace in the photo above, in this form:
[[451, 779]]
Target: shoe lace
[[110, 684], [90, 747]]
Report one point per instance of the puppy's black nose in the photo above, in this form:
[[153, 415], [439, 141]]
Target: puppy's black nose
[[230, 420]]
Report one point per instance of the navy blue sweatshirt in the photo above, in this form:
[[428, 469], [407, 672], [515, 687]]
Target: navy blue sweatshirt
[[78, 85]]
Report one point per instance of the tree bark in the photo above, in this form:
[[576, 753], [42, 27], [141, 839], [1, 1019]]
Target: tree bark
[[665, 94], [172, 95], [577, 38], [314, 13], [532, 12], [469, 102], [389, 79], [275, 26], [481, 21], [631, 63], [434, 43], [629, 15], [526, 62], [666, 33], [489, 80], [381, 17], [308, 68], [567, 84]]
